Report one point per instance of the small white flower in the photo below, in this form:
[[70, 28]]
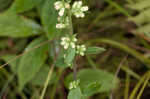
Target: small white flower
[[67, 6], [60, 26], [66, 46], [61, 12], [63, 38], [63, 23], [58, 18], [75, 39], [71, 86], [74, 84], [77, 4], [58, 5], [64, 55], [79, 14], [69, 64], [67, 39], [82, 15], [85, 8], [67, 21], [78, 10], [72, 44], [67, 42], [82, 54], [83, 46], [81, 49], [62, 43]]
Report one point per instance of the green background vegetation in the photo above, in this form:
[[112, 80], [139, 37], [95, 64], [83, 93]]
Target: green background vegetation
[[28, 37]]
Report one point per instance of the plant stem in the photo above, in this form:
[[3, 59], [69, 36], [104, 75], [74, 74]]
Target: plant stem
[[75, 70], [127, 86], [29, 50], [123, 47], [135, 90], [116, 74], [47, 81], [144, 85], [71, 32], [70, 23], [60, 71]]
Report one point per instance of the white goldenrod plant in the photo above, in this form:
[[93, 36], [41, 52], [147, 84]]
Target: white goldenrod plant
[[70, 46]]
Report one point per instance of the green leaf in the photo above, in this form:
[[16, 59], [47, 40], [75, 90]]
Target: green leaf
[[40, 77], [103, 81], [49, 18], [75, 94], [60, 62], [4, 4], [94, 50], [31, 62], [20, 6], [142, 19], [13, 25], [68, 59], [70, 55], [144, 29], [91, 89], [142, 4], [14, 64]]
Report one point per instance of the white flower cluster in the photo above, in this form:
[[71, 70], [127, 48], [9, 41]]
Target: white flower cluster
[[63, 23], [61, 7], [74, 84], [81, 49], [77, 9], [67, 42]]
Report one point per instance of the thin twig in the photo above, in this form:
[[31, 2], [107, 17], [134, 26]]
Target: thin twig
[[75, 70], [50, 73], [47, 81], [41, 44], [117, 72]]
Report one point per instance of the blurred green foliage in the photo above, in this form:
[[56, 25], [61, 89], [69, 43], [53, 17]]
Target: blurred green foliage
[[28, 27]]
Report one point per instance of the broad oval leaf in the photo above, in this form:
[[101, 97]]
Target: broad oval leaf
[[14, 64], [91, 89], [31, 62], [49, 18], [13, 25], [41, 75], [75, 94], [20, 6], [88, 77]]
